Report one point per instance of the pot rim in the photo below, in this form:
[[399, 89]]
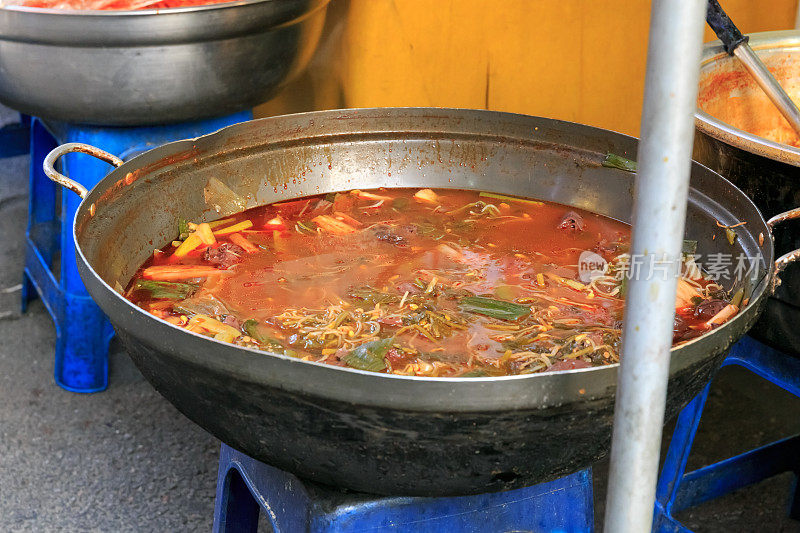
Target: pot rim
[[722, 131], [348, 384]]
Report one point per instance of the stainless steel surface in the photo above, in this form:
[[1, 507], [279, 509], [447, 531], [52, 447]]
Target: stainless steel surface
[[372, 432], [659, 213], [769, 84], [51, 158], [150, 67]]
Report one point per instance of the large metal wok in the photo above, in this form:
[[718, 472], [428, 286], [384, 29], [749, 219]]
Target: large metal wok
[[734, 122], [384, 433], [153, 67]]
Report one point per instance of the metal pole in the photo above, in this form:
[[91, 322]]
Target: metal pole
[[673, 64]]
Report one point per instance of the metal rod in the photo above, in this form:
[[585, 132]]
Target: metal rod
[[769, 84], [673, 65]]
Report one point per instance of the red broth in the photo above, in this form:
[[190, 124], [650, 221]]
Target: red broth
[[416, 282]]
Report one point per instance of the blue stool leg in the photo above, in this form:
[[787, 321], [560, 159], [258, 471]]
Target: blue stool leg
[[14, 138], [236, 511], [563, 505], [678, 490], [794, 502], [82, 331], [42, 233], [680, 448], [282, 496], [81, 361]]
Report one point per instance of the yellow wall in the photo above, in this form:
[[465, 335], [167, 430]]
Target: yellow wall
[[578, 60]]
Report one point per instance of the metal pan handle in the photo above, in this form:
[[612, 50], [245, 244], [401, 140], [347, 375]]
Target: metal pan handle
[[61, 179], [788, 258]]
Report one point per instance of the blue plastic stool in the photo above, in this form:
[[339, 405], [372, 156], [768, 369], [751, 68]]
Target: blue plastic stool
[[291, 505], [82, 331], [15, 138], [678, 490]]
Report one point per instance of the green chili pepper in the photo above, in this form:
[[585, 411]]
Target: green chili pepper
[[165, 289], [494, 308], [619, 162]]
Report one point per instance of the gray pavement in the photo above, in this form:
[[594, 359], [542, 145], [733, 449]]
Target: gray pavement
[[120, 460], [126, 460]]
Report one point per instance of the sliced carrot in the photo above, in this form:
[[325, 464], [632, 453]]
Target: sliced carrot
[[331, 225], [347, 219], [724, 315], [241, 240], [192, 242], [177, 272], [236, 228], [279, 241], [206, 235], [685, 294], [427, 196]]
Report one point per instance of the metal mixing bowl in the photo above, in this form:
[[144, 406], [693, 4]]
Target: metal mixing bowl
[[153, 67], [738, 134]]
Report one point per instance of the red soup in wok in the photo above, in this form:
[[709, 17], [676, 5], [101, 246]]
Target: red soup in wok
[[447, 283]]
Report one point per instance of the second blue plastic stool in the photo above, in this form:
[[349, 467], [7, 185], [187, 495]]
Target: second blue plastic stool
[[291, 506], [82, 331], [678, 490]]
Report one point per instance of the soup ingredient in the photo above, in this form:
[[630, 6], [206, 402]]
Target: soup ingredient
[[438, 283], [622, 163], [494, 308]]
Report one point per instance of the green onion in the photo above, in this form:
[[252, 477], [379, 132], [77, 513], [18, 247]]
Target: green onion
[[619, 162], [309, 227], [183, 229], [509, 198], [623, 286], [250, 327], [165, 289], [477, 373], [369, 356], [494, 308], [737, 298]]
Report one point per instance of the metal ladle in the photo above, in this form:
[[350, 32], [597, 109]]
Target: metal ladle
[[737, 45]]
